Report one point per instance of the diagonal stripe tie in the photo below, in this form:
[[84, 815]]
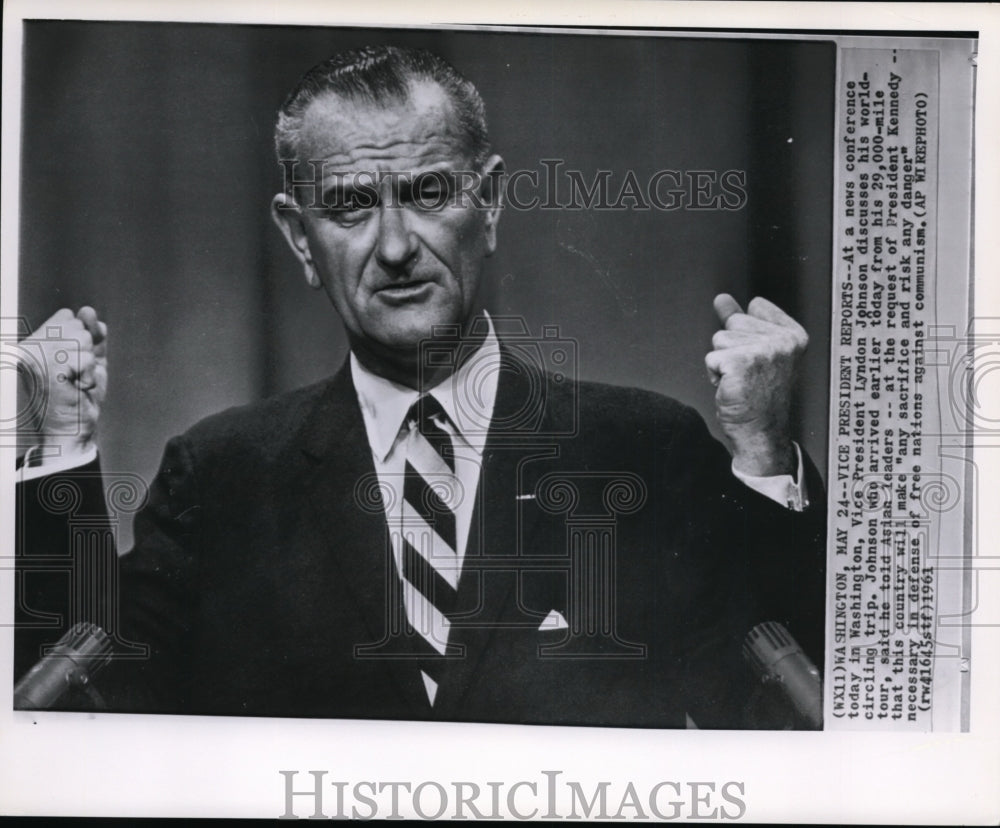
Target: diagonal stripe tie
[[430, 566]]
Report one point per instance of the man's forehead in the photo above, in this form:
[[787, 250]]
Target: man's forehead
[[344, 131]]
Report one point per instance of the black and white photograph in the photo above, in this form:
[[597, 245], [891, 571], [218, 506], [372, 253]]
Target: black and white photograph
[[474, 488], [458, 382]]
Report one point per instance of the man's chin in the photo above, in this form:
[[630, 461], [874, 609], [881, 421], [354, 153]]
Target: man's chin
[[410, 328], [397, 353]]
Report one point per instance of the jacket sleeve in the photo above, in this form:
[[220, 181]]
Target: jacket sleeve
[[63, 536], [144, 599], [755, 561]]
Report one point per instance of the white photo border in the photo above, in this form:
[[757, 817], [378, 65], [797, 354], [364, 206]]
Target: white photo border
[[118, 765]]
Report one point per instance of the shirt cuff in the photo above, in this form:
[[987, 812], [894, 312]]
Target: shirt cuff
[[781, 488], [37, 464]]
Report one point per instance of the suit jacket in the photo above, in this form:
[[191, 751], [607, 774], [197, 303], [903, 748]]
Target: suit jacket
[[262, 581]]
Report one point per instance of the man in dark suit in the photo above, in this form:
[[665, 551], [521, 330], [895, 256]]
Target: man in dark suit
[[443, 529]]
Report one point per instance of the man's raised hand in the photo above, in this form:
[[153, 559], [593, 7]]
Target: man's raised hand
[[64, 377], [753, 365]]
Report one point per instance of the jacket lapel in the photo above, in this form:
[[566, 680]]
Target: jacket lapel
[[519, 437], [343, 502]]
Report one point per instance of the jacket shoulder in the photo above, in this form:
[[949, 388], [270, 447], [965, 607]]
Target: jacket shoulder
[[600, 400], [634, 420], [267, 422], [631, 410]]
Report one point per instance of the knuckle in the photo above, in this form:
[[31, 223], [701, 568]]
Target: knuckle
[[785, 342], [71, 334], [737, 361]]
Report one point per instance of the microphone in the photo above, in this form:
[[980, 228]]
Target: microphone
[[76, 657], [778, 660]]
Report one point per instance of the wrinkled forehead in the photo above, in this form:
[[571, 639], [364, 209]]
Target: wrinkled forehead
[[400, 133]]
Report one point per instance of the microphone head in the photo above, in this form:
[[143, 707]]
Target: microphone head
[[82, 651], [778, 660], [84, 642], [766, 644]]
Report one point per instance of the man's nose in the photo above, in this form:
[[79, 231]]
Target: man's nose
[[396, 243]]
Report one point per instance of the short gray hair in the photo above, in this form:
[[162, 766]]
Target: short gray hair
[[381, 76]]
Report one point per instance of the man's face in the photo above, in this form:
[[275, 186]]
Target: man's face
[[392, 260]]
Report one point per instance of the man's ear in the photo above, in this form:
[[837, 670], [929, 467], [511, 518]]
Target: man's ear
[[288, 216], [491, 191]]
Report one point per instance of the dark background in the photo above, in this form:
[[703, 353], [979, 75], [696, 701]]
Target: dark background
[[147, 170]]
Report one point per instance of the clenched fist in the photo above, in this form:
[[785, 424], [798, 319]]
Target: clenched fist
[[64, 378], [753, 365]]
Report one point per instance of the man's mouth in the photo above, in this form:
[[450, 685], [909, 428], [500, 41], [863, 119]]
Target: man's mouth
[[411, 290]]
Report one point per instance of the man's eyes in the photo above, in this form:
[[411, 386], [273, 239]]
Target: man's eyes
[[350, 206], [425, 192], [430, 190]]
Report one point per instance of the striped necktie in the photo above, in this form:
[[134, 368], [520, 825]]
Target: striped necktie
[[429, 548]]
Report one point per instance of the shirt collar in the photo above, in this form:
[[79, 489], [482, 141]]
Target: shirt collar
[[467, 397]]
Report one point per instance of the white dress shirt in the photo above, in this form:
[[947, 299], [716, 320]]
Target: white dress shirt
[[37, 463], [467, 397]]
